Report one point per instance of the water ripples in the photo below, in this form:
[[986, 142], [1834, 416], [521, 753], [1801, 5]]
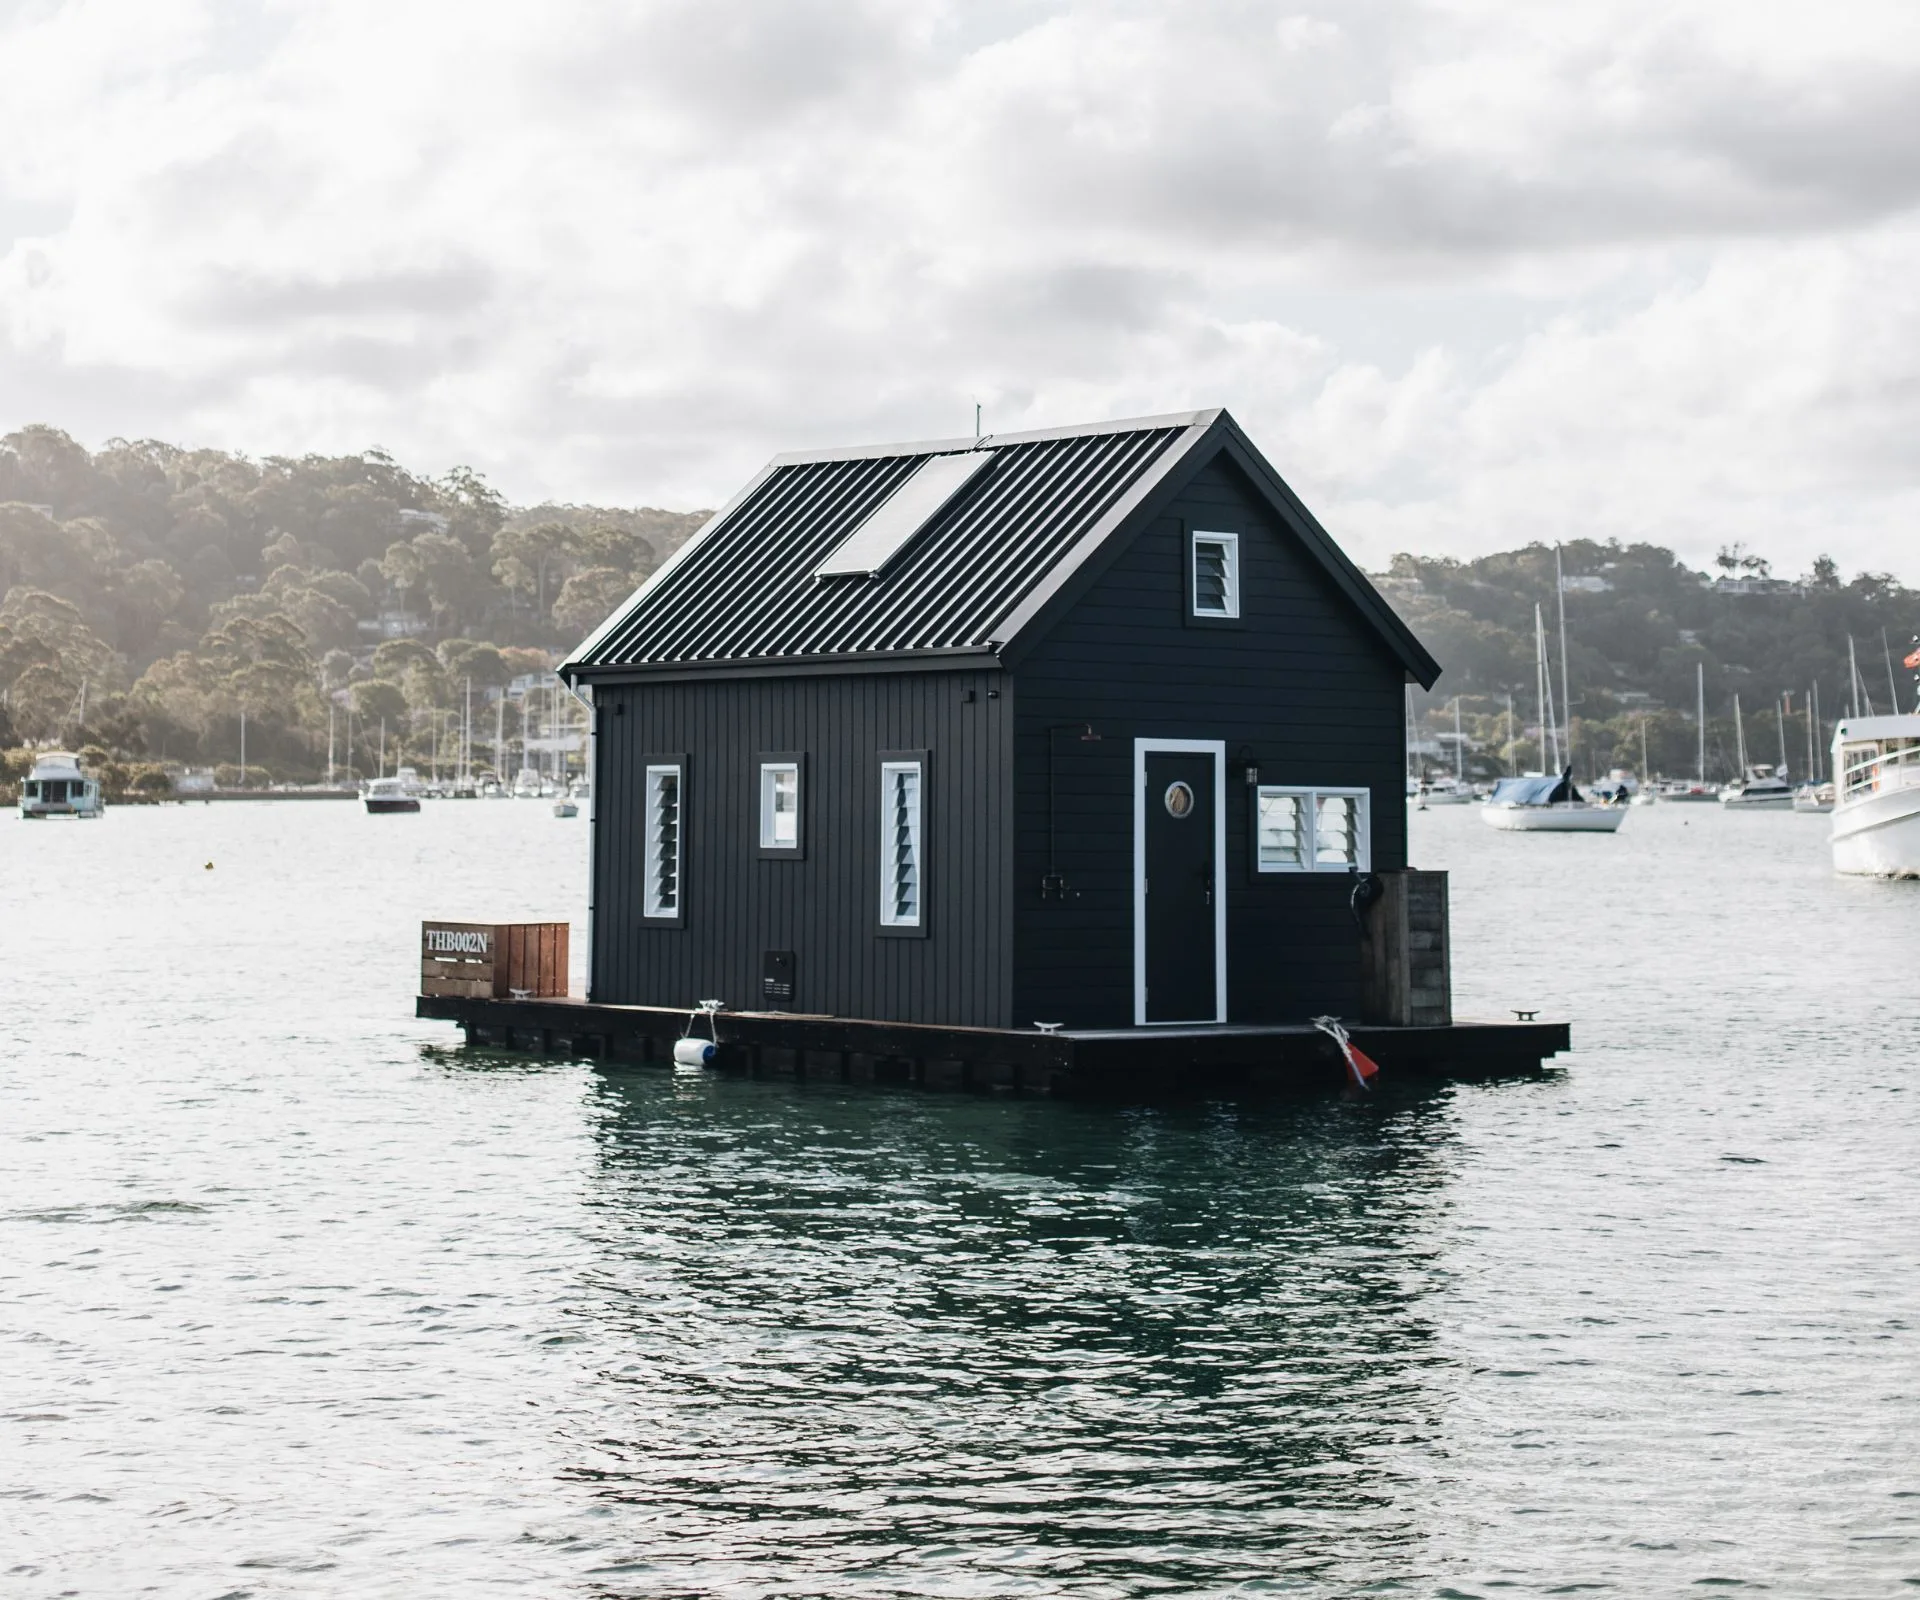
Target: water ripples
[[297, 1300]]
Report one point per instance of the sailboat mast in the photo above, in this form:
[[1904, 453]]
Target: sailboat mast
[[1813, 721], [1509, 733], [1853, 678], [1540, 691], [1459, 773], [1740, 737], [1700, 717], [1780, 711], [1566, 686]]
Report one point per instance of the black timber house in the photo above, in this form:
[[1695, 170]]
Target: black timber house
[[1093, 726]]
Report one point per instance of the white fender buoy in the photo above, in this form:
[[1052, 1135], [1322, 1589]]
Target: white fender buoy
[[693, 1052]]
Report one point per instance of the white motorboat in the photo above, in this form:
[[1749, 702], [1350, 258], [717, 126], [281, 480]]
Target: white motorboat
[[1547, 804], [1813, 797], [1876, 810], [1761, 789], [56, 787], [1442, 792], [385, 795], [1759, 786], [1683, 791]]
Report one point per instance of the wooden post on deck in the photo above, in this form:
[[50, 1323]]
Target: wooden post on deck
[[1406, 971]]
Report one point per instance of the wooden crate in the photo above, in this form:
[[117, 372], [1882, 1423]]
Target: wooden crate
[[494, 960], [1405, 963]]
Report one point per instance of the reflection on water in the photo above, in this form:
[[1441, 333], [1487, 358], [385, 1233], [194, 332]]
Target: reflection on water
[[925, 1342], [296, 1299]]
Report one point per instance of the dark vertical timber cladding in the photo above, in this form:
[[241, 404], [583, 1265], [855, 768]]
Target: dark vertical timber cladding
[[824, 908], [1304, 686]]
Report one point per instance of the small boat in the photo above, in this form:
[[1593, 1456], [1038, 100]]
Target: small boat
[[1762, 789], [1876, 810], [1542, 803], [1813, 797], [566, 806], [390, 794], [56, 787], [1442, 792], [1683, 791], [1759, 787]]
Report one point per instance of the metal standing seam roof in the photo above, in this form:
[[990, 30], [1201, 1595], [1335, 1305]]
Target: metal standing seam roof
[[744, 588]]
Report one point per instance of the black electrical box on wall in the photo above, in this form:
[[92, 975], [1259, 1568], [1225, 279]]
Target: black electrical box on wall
[[776, 978]]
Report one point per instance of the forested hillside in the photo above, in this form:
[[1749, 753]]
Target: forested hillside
[[151, 593], [1640, 626]]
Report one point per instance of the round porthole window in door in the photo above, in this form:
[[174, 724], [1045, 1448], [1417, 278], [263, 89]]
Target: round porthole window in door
[[1179, 800]]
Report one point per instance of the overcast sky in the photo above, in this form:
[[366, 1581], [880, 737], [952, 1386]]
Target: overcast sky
[[1471, 273]]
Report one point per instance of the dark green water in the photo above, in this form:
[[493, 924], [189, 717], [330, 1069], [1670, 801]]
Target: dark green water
[[295, 1299]]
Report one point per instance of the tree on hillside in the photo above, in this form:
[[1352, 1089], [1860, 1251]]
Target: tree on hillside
[[474, 510], [469, 661], [401, 567], [376, 700], [588, 598], [524, 559], [452, 583], [393, 658]]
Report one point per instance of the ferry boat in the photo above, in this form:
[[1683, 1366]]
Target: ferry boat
[[1876, 808], [1761, 789], [1543, 803], [56, 787], [390, 794]]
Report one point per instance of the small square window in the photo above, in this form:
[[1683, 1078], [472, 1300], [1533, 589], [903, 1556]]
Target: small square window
[[780, 804], [1216, 575]]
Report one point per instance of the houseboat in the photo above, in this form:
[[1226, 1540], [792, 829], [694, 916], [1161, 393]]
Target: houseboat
[[1876, 806], [1094, 725], [57, 787], [1065, 756]]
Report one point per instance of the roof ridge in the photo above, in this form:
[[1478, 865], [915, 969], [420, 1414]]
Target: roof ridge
[[991, 441]]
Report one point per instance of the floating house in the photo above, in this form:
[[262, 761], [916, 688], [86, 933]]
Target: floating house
[[1093, 726]]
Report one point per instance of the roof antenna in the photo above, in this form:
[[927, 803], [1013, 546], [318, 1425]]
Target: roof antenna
[[976, 422]]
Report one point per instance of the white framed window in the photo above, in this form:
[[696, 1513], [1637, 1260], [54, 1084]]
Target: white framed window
[[1215, 576], [1311, 829], [902, 842], [665, 851], [780, 805]]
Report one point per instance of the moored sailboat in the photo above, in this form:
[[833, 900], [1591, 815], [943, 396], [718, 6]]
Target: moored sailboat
[[1543, 803]]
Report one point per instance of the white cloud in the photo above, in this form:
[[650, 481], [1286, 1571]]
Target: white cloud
[[1472, 272]]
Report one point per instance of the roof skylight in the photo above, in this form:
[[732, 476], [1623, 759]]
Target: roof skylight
[[902, 514]]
